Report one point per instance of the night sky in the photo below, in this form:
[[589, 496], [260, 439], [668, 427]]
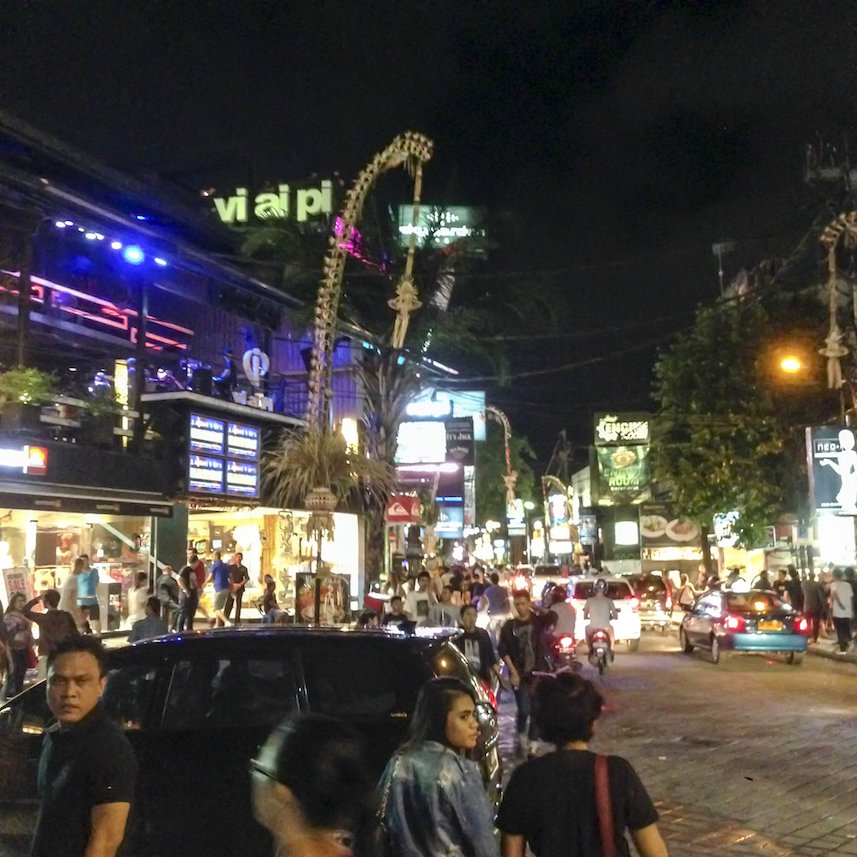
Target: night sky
[[622, 139]]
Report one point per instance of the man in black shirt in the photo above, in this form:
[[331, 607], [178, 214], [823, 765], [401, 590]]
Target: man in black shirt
[[238, 577], [550, 803], [522, 648], [167, 592], [87, 768], [475, 645]]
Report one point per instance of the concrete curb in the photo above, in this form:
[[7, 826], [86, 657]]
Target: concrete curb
[[827, 650]]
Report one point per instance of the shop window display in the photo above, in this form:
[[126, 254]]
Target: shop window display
[[45, 545]]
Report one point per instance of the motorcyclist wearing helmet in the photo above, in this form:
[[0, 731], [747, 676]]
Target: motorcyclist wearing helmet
[[599, 610], [566, 615]]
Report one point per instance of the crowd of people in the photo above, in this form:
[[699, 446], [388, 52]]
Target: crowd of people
[[311, 787]]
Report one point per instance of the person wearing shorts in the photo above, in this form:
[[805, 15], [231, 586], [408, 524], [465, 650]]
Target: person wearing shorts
[[219, 576], [87, 596]]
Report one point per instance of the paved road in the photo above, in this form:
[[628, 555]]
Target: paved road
[[750, 757]]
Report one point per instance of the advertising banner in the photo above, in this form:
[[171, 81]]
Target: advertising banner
[[403, 509], [661, 527], [459, 440], [16, 580], [623, 474], [832, 467]]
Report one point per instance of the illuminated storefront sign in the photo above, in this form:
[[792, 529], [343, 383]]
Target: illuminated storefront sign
[[308, 202], [32, 460], [206, 434], [205, 474], [242, 478], [445, 225], [242, 441], [621, 428], [432, 403], [230, 465], [421, 443], [831, 453]]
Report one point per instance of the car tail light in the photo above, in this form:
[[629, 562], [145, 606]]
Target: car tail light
[[566, 643], [803, 625], [734, 623], [635, 604]]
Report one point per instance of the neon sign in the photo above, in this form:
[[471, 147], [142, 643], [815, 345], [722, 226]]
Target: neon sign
[[104, 313]]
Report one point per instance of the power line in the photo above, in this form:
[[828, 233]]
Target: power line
[[565, 367]]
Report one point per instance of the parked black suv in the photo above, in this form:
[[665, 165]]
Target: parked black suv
[[197, 706]]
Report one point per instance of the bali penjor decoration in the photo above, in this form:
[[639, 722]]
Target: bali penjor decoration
[[843, 228], [411, 150]]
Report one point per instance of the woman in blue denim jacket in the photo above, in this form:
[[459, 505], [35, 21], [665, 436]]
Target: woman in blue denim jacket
[[433, 800]]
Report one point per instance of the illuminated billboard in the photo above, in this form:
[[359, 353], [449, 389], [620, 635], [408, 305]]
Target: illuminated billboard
[[442, 225], [224, 457], [421, 442], [433, 403]]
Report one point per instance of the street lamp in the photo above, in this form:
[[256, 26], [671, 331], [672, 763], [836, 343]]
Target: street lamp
[[791, 364]]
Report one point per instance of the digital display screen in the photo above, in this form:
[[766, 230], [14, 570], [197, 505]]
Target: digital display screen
[[242, 441], [205, 474], [206, 434], [242, 478]]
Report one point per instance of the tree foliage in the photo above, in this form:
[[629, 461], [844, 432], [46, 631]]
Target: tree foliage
[[491, 467], [727, 436]]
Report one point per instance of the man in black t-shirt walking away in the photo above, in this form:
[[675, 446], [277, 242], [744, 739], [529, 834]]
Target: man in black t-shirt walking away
[[87, 769], [550, 803], [522, 648]]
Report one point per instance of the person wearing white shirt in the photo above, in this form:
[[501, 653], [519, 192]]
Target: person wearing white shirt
[[138, 595], [68, 596], [842, 609], [419, 600]]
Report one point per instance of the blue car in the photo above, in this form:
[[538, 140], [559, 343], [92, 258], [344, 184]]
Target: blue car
[[754, 621]]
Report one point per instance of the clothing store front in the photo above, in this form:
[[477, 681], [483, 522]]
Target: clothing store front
[[50, 515]]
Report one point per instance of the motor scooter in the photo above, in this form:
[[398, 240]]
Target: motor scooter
[[599, 650], [564, 653]]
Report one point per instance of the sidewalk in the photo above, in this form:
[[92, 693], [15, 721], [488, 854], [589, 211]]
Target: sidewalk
[[828, 648]]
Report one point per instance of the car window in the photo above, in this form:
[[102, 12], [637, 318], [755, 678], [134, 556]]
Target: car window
[[618, 590], [360, 679], [755, 602], [129, 693], [27, 714], [230, 692], [709, 605]]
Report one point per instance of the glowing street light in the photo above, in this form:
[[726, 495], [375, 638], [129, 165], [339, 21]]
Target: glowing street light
[[791, 364]]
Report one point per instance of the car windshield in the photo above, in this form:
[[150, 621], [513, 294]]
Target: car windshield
[[754, 602], [616, 589]]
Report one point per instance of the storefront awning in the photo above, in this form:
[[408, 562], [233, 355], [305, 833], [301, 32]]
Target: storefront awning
[[71, 498]]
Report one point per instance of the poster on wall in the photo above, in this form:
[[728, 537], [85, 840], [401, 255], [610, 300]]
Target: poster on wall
[[335, 597], [832, 467], [15, 580]]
